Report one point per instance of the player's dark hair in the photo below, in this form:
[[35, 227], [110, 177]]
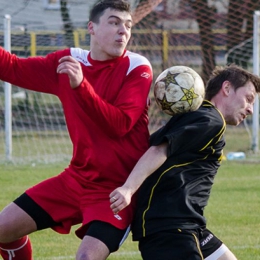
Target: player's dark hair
[[100, 7], [236, 75]]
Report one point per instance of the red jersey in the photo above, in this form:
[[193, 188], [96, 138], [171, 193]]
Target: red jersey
[[106, 115]]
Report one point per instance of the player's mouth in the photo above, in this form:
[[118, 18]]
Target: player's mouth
[[120, 41]]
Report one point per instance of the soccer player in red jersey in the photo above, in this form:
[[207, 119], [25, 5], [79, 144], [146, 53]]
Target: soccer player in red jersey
[[174, 177], [104, 93]]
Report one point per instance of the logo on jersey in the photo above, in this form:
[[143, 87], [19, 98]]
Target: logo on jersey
[[145, 75], [117, 217], [84, 61]]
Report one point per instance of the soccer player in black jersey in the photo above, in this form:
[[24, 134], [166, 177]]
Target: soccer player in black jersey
[[174, 177]]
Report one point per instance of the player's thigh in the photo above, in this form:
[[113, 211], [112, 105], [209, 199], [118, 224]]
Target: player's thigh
[[169, 245], [110, 235], [15, 223], [100, 240]]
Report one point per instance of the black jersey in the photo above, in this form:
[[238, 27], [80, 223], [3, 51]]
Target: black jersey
[[174, 196]]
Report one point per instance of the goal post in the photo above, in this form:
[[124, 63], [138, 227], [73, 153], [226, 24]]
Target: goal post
[[8, 93], [256, 42]]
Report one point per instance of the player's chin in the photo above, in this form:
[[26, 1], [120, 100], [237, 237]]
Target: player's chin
[[119, 50], [234, 122]]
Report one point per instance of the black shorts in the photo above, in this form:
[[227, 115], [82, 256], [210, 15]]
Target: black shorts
[[111, 236], [209, 243], [171, 245], [42, 219]]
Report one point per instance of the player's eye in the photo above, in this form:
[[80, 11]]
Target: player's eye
[[128, 26], [114, 23], [250, 100]]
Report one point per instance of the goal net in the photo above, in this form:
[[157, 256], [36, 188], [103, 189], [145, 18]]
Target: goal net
[[200, 34]]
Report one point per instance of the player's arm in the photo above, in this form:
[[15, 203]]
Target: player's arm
[[152, 159], [130, 103], [33, 73]]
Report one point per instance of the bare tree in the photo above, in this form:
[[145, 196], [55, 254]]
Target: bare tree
[[204, 16], [67, 23], [144, 8]]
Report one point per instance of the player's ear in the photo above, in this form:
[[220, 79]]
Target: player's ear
[[226, 86], [91, 27]]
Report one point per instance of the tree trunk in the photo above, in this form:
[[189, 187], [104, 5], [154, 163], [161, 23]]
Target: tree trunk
[[67, 24], [203, 16], [144, 8]]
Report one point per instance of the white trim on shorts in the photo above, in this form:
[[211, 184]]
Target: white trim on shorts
[[218, 253], [125, 235]]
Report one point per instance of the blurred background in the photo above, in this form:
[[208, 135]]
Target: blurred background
[[200, 34]]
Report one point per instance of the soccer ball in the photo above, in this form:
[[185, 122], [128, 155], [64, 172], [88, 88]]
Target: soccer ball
[[179, 89]]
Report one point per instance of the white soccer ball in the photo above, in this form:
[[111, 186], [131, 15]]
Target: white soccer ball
[[179, 89]]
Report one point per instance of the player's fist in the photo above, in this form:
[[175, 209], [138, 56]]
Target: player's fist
[[68, 65], [119, 199]]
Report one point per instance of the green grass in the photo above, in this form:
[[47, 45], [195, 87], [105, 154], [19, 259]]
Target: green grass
[[233, 212]]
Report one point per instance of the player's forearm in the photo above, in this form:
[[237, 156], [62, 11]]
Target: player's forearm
[[154, 157], [149, 162]]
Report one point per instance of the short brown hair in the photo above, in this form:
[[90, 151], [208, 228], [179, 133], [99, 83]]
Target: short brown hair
[[236, 75], [100, 6]]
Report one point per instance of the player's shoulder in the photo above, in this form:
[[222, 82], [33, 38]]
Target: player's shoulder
[[210, 110], [80, 55], [56, 55], [207, 115], [211, 114], [137, 59]]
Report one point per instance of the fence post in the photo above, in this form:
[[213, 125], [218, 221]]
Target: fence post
[[8, 93], [33, 44], [165, 47]]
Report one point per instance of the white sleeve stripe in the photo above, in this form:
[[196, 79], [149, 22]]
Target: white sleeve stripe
[[80, 55], [136, 60]]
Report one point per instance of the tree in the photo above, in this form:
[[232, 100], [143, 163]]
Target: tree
[[205, 19], [144, 8], [67, 23]]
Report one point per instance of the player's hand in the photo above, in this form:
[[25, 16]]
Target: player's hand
[[68, 65], [119, 199]]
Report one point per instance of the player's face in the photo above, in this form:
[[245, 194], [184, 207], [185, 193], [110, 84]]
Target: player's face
[[240, 104], [111, 35]]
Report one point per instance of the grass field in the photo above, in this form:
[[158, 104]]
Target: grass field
[[233, 212]]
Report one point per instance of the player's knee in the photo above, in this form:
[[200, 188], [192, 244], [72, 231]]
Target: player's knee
[[87, 256], [92, 249], [81, 256]]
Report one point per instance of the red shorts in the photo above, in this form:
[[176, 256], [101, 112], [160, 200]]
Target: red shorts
[[70, 203]]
